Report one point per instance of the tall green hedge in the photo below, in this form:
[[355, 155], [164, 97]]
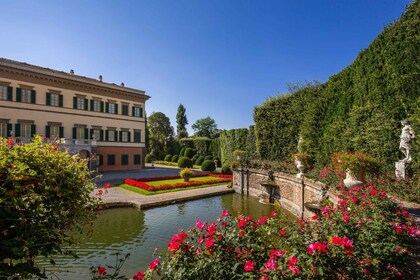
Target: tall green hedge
[[231, 140], [359, 108]]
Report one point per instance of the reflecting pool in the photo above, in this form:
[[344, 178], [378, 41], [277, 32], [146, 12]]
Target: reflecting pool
[[129, 230]]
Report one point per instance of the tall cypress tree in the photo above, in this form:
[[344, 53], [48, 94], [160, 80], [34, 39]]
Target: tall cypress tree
[[181, 122]]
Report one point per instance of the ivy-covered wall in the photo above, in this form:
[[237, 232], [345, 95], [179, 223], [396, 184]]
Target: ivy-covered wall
[[359, 108]]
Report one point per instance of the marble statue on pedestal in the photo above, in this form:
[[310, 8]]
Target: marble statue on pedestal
[[407, 134]]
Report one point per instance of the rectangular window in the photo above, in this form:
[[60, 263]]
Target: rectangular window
[[4, 129], [55, 100], [96, 134], [55, 131], [124, 159], [25, 130], [124, 136], [111, 108], [125, 110], [80, 103], [3, 92], [80, 133], [26, 95], [137, 159], [137, 112], [111, 159], [112, 135], [97, 106], [137, 136]]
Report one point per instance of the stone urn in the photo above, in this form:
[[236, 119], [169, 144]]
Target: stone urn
[[301, 167]]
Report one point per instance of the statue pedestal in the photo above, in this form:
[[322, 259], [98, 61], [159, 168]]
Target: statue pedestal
[[400, 169]]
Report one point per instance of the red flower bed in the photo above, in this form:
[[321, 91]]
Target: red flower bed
[[151, 179], [140, 183]]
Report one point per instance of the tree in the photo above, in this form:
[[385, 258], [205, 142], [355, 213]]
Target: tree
[[205, 127], [181, 122], [160, 133], [44, 192]]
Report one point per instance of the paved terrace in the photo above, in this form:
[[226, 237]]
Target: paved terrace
[[123, 197]]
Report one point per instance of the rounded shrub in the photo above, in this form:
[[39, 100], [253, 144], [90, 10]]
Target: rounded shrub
[[168, 157], [226, 169], [209, 157], [149, 158], [181, 153], [208, 165], [186, 174], [189, 153], [199, 160], [194, 158], [184, 162], [175, 158]]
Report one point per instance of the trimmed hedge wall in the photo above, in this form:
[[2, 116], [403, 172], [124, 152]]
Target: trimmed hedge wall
[[231, 140], [359, 108]]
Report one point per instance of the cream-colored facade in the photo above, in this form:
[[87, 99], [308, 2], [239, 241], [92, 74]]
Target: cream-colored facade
[[102, 121]]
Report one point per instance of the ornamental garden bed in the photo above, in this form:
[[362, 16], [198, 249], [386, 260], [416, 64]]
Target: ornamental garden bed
[[155, 185]]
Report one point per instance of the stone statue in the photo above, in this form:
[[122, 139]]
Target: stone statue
[[406, 135], [299, 147]]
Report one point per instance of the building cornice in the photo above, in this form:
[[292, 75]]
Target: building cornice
[[38, 75]]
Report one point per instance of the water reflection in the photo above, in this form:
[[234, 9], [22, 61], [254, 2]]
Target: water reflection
[[128, 230]]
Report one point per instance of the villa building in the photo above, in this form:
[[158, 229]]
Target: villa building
[[101, 121]]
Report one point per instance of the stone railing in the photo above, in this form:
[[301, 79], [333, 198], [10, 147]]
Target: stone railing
[[290, 192]]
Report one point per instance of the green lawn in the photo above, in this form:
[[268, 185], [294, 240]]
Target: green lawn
[[144, 192]]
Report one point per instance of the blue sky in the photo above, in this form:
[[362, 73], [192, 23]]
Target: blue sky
[[219, 58]]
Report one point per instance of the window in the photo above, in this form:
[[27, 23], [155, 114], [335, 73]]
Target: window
[[26, 95], [25, 130], [99, 160], [112, 108], [124, 159], [54, 131], [54, 99], [137, 112], [5, 129], [97, 134], [111, 159], [3, 92], [111, 135], [80, 133], [125, 110], [125, 136], [80, 103], [137, 159], [96, 105], [137, 136]]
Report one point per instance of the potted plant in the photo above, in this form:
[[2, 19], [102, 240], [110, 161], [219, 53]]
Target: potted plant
[[186, 174], [354, 165]]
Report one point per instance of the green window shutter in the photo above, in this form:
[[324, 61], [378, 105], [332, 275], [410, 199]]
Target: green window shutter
[[124, 159], [86, 104], [137, 159], [125, 110], [18, 95], [91, 134], [33, 130], [60, 100], [61, 132], [86, 133], [74, 133], [102, 106], [106, 107], [48, 99], [91, 104], [132, 111], [47, 131], [33, 96], [116, 109], [74, 102], [9, 128], [141, 112], [10, 93], [17, 130], [101, 135], [101, 159], [137, 136], [106, 135], [111, 159], [120, 136], [129, 136]]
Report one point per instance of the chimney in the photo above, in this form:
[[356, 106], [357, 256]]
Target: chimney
[[100, 78], [122, 84], [71, 72]]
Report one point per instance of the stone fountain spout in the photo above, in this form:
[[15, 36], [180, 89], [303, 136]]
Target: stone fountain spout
[[270, 186], [315, 206]]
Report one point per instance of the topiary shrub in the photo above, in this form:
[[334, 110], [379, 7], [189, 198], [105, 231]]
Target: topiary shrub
[[189, 153], [175, 158], [185, 162], [181, 153], [168, 157], [209, 157], [186, 174], [194, 158], [226, 169], [43, 193], [199, 160], [208, 165], [150, 157]]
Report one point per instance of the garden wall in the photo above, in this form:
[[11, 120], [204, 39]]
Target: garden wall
[[291, 193]]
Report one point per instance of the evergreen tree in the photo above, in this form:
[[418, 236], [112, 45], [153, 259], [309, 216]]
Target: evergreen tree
[[181, 122]]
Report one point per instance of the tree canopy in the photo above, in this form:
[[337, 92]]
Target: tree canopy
[[205, 127], [160, 132], [181, 122]]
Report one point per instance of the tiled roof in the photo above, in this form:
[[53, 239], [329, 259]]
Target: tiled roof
[[60, 74]]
